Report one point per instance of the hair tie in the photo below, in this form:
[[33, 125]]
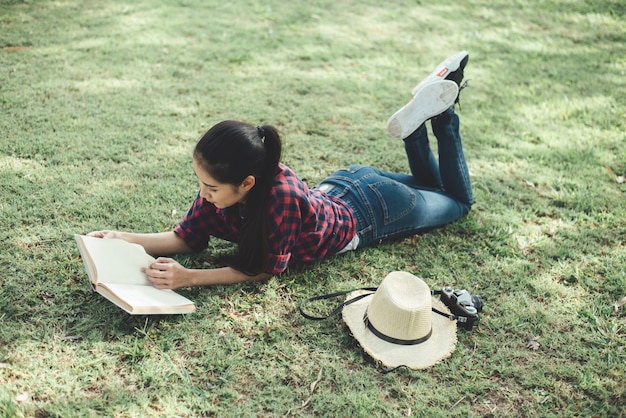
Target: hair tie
[[261, 131]]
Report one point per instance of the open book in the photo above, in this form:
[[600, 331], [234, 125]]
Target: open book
[[114, 269]]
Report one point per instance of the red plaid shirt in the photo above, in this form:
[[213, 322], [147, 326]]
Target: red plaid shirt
[[305, 225]]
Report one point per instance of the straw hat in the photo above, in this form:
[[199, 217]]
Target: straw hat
[[397, 326]]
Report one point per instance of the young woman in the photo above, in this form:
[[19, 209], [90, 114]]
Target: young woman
[[249, 197]]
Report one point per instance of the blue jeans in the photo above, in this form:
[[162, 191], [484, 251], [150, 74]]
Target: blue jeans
[[392, 205]]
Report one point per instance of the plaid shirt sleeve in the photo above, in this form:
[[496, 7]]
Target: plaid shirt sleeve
[[204, 220]]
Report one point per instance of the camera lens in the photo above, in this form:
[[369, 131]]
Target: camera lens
[[477, 302]]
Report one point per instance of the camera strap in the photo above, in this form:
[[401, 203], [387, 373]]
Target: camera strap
[[338, 309], [370, 291]]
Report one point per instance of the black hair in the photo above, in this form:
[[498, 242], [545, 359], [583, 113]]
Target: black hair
[[230, 152]]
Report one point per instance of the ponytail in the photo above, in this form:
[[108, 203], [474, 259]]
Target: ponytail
[[231, 151]]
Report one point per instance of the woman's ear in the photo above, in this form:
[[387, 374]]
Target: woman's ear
[[247, 183]]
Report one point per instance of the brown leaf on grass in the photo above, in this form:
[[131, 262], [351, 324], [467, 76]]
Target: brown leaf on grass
[[16, 48], [616, 179], [532, 343], [619, 304], [312, 387]]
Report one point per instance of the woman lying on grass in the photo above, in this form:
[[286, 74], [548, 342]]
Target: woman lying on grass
[[247, 196]]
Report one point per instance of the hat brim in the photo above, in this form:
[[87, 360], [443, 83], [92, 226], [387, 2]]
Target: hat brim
[[439, 346]]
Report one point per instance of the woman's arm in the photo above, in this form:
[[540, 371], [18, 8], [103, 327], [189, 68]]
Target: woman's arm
[[166, 273], [160, 243]]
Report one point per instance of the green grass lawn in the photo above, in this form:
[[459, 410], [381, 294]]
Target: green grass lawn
[[101, 104]]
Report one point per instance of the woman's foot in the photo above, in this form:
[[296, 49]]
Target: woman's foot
[[449, 69], [428, 101]]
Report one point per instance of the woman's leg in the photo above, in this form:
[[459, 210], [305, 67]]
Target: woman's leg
[[434, 98], [392, 205], [450, 174], [452, 165], [422, 162]]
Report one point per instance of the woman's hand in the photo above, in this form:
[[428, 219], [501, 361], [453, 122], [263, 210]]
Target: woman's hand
[[166, 273], [105, 234]]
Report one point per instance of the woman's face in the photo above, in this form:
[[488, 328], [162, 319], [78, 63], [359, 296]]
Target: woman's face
[[222, 195]]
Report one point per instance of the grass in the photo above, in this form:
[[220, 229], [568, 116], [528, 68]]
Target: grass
[[102, 102]]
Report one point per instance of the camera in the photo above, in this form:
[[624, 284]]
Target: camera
[[464, 305]]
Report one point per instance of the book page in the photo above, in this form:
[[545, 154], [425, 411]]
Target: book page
[[118, 261]]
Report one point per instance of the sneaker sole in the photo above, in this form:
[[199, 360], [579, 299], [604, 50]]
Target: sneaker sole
[[431, 100], [447, 66]]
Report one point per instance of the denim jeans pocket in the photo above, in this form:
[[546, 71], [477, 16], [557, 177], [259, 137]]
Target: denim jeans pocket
[[395, 202]]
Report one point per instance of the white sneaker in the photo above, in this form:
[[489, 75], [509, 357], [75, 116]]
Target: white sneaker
[[430, 100], [449, 69]]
